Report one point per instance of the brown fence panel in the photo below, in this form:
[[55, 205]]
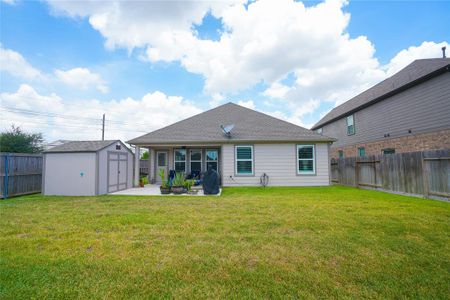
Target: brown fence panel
[[437, 172], [416, 173], [20, 174]]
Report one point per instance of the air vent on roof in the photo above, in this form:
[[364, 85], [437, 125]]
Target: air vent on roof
[[227, 129], [443, 51]]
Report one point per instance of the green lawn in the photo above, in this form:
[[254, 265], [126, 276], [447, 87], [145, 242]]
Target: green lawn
[[333, 242]]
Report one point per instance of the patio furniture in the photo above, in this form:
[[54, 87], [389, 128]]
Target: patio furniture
[[171, 176], [211, 182]]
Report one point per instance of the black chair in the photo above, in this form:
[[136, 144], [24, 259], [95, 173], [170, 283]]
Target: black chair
[[171, 176], [193, 175]]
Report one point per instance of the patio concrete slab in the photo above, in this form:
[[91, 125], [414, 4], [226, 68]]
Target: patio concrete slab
[[153, 190]]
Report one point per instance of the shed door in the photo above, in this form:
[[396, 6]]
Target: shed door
[[117, 171], [123, 174]]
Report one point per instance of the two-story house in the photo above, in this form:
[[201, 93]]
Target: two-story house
[[409, 111]]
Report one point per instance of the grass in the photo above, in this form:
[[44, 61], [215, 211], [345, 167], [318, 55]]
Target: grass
[[331, 242]]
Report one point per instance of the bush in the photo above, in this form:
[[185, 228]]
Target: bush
[[179, 179]]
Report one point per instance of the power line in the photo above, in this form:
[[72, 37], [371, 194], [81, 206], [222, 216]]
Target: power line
[[54, 115], [69, 117], [78, 126]]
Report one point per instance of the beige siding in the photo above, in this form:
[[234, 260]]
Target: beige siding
[[278, 161], [70, 174]]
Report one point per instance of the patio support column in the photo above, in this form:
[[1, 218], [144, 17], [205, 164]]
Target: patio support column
[[137, 156], [151, 165]]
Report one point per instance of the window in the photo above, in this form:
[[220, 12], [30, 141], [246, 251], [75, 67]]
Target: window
[[305, 157], [196, 160], [388, 151], [180, 160], [212, 160], [361, 151], [244, 160], [161, 159], [341, 153], [319, 130], [350, 125]]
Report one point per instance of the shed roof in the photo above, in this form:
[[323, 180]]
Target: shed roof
[[416, 72], [250, 126], [82, 146]]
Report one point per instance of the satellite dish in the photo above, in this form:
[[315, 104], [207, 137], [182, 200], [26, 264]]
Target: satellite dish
[[227, 129]]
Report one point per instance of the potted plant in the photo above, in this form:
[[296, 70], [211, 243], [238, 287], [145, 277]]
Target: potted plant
[[178, 183], [188, 185], [165, 187], [141, 182]]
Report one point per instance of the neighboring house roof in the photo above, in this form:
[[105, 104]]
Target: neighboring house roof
[[250, 126], [416, 72], [82, 146]]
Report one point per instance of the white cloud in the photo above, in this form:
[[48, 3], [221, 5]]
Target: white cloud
[[261, 42], [216, 100], [82, 78], [406, 56], [14, 63], [276, 90], [249, 104], [80, 120]]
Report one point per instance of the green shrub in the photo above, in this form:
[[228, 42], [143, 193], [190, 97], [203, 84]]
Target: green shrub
[[179, 179], [164, 183], [188, 184]]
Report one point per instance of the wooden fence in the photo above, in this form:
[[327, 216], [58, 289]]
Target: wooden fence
[[143, 166], [416, 173], [20, 174]]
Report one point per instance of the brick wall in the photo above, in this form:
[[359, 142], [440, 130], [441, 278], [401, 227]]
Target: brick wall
[[418, 142]]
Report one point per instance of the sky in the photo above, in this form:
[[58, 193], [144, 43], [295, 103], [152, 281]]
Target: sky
[[147, 64]]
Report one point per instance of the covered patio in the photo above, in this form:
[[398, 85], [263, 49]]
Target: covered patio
[[153, 190], [189, 159]]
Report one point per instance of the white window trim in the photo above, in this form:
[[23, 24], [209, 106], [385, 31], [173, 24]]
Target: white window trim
[[175, 161], [313, 172], [191, 161], [353, 121], [236, 161], [157, 158], [208, 160]]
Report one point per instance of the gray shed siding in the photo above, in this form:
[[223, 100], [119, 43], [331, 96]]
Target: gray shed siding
[[422, 108], [279, 162], [63, 174], [103, 167]]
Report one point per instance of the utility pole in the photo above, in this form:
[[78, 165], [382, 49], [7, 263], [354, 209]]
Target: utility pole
[[103, 128]]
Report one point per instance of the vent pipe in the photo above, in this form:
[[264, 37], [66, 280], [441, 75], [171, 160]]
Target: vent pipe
[[443, 52]]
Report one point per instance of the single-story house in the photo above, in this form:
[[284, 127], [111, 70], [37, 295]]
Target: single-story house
[[87, 168], [242, 145]]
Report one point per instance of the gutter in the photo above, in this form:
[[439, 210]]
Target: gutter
[[207, 143]]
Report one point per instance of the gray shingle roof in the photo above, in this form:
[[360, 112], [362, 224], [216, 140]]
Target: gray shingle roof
[[415, 72], [81, 146], [250, 126]]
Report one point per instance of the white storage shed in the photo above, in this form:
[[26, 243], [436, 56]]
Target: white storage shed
[[87, 168]]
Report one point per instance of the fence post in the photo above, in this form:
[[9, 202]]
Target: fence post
[[6, 179], [356, 172], [426, 188]]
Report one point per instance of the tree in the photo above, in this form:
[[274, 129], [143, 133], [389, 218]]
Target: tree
[[145, 155], [17, 141]]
